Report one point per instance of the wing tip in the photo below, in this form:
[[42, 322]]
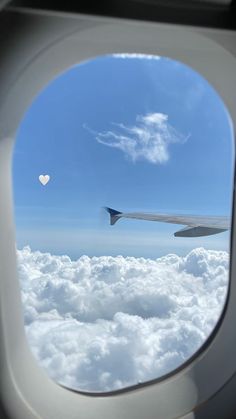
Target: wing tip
[[114, 215]]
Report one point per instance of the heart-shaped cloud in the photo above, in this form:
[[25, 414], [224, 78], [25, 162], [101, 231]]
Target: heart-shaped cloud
[[44, 179]]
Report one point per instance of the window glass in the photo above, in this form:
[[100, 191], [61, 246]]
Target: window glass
[[144, 143]]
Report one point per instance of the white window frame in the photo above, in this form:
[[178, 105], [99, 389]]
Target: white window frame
[[40, 46]]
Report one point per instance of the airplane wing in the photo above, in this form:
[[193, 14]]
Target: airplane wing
[[195, 226]]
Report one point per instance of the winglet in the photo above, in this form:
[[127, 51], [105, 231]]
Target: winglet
[[114, 215]]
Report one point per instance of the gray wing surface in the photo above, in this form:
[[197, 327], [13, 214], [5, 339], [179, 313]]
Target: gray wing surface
[[195, 226]]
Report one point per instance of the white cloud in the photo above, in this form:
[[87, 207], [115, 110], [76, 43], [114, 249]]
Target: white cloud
[[103, 323], [127, 55], [149, 139]]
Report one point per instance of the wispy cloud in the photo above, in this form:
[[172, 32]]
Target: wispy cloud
[[127, 55], [148, 139]]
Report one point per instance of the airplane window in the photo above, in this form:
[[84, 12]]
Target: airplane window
[[123, 180]]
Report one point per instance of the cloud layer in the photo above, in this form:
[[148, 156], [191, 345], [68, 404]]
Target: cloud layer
[[103, 323], [149, 139]]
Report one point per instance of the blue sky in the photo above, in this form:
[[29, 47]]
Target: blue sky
[[130, 133]]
